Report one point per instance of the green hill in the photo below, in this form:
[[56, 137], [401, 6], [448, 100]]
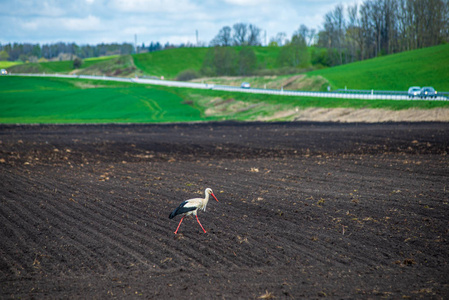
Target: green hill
[[171, 62], [423, 67], [168, 63], [121, 66]]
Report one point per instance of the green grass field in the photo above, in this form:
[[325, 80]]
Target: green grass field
[[423, 67], [53, 100], [169, 63], [49, 100], [8, 64]]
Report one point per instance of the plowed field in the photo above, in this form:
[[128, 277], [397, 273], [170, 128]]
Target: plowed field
[[306, 210]]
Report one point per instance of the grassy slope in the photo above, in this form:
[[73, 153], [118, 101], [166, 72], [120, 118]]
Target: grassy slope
[[428, 66], [122, 66], [51, 100], [8, 64], [171, 62], [167, 63], [267, 57]]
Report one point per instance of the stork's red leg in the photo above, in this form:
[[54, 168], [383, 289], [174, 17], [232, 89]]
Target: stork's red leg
[[179, 225], [200, 224]]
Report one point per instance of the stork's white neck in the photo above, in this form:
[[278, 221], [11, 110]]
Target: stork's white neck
[[205, 200]]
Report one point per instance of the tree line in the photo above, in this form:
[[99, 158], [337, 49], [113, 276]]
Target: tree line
[[380, 27], [34, 52], [223, 60], [241, 34], [27, 52]]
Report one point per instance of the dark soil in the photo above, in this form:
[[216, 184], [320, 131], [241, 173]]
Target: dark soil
[[306, 210]]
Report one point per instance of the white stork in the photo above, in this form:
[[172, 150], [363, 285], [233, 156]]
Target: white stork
[[191, 206]]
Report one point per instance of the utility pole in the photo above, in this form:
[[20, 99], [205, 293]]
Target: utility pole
[[196, 37]]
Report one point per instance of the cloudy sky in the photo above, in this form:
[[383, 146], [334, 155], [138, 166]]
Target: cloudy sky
[[174, 21]]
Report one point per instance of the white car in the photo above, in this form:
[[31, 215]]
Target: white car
[[414, 91], [245, 85]]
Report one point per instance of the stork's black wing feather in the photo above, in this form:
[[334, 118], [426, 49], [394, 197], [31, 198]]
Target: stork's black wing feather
[[181, 209]]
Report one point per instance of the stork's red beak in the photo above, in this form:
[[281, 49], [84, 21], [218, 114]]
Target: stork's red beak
[[214, 197]]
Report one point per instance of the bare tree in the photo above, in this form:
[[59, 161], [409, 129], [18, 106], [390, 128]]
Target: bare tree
[[390, 30], [311, 37], [445, 21], [339, 25], [365, 35], [429, 21], [406, 25], [379, 27], [352, 30], [223, 38], [279, 39], [240, 32], [332, 37], [303, 31], [253, 35], [306, 33], [294, 53]]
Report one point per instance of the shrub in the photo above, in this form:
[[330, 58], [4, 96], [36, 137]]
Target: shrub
[[247, 61], [187, 75], [220, 61], [77, 62]]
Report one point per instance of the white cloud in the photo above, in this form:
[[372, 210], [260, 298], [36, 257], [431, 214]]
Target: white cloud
[[30, 25], [153, 6], [81, 24], [246, 2]]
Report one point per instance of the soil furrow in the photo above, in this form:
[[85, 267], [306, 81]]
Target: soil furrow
[[54, 237], [306, 210]]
